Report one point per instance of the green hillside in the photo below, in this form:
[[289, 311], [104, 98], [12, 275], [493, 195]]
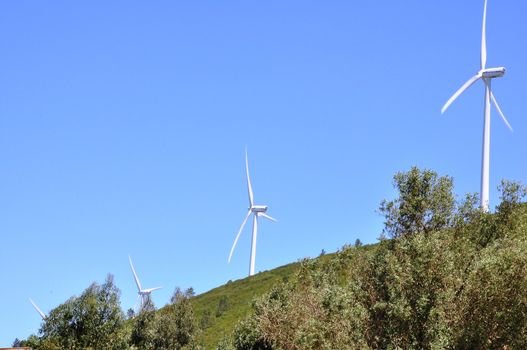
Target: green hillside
[[237, 297], [446, 275]]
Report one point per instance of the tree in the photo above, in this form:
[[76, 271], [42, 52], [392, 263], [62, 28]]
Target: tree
[[247, 336], [491, 312], [190, 292], [223, 305], [143, 330], [206, 320], [171, 327], [92, 320], [130, 313], [180, 295], [147, 304], [511, 194], [425, 203], [32, 342]]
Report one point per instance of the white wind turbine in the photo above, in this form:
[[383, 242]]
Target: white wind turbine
[[257, 211], [42, 314], [143, 294], [485, 74]]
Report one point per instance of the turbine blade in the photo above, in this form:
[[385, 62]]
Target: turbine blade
[[239, 233], [499, 111], [484, 37], [460, 91], [43, 315], [150, 290], [137, 282], [249, 187], [267, 217]]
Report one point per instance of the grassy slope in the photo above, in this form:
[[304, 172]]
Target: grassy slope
[[239, 295]]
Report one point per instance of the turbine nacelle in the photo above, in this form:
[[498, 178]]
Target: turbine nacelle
[[489, 73], [258, 208]]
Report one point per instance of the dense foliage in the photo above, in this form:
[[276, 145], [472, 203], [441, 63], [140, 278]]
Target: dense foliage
[[452, 277], [203, 320], [94, 320]]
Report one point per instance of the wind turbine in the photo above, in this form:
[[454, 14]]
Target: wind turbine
[[486, 75], [256, 210], [143, 294], [43, 315]]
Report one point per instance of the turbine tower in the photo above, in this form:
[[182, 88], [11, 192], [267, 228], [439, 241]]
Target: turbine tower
[[257, 211], [42, 314], [485, 74], [143, 294]]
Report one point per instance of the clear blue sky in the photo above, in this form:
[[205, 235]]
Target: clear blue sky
[[123, 126]]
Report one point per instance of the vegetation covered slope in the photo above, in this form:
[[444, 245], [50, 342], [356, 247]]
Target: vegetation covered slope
[[450, 277], [445, 275], [219, 310]]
